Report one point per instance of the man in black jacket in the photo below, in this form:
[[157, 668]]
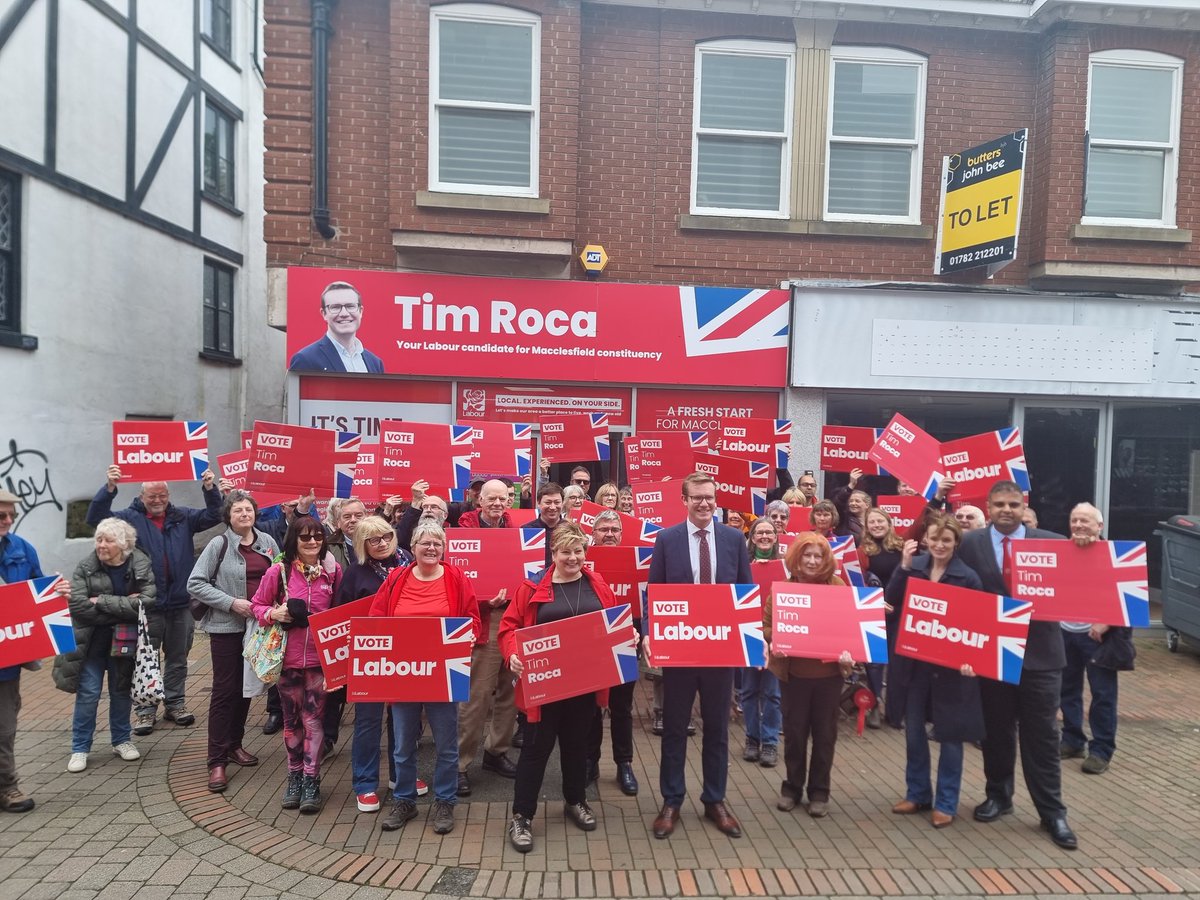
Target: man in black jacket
[[1030, 707]]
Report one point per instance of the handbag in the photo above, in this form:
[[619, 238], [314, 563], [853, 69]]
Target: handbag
[[264, 652], [147, 672], [124, 640], [199, 608]]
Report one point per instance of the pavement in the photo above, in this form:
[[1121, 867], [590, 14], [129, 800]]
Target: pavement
[[150, 829]]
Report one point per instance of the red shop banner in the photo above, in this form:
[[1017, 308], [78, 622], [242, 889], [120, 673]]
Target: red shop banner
[[458, 326], [705, 625], [954, 626], [977, 462], [625, 569], [905, 510], [634, 531], [574, 438], [416, 451], [846, 447], [409, 659], [756, 439], [35, 621], [501, 448], [658, 455], [819, 621], [577, 655], [741, 483], [290, 460], [331, 634], [528, 402], [676, 409], [659, 502], [160, 451], [910, 454], [497, 559], [1103, 583]]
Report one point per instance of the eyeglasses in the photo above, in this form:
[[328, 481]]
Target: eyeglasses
[[336, 308], [310, 536], [702, 498], [581, 481], [378, 541], [8, 517], [430, 545]]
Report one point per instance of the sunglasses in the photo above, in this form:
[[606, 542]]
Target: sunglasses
[[310, 536]]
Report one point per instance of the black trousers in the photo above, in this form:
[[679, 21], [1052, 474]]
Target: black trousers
[[810, 711], [620, 723], [227, 708], [567, 723], [680, 686], [1031, 708]]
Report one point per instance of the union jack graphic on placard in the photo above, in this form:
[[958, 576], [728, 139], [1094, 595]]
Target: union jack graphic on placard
[[979, 461], [869, 600], [198, 431], [523, 448], [462, 438], [600, 423], [732, 320], [698, 440], [55, 613], [754, 645], [533, 550], [457, 630], [845, 554], [648, 533], [1134, 594], [35, 622], [1012, 621], [620, 618], [348, 442]]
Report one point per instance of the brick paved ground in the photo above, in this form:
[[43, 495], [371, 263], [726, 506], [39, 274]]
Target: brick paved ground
[[150, 829]]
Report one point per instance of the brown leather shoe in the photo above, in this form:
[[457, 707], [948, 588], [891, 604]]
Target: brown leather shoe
[[243, 757], [664, 825], [940, 819], [723, 819], [908, 807], [217, 782]]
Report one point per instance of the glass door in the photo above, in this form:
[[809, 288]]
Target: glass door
[[1066, 450]]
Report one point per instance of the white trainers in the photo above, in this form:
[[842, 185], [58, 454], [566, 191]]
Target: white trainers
[[77, 762], [126, 751]]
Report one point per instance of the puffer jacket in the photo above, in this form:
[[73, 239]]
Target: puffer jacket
[[230, 582], [301, 650], [92, 580]]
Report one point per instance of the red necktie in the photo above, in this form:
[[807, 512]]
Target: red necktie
[[705, 558], [1006, 570]]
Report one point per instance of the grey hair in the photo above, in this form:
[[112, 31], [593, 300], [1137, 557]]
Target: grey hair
[[609, 515], [426, 527], [777, 506], [120, 532], [574, 490], [1090, 508]]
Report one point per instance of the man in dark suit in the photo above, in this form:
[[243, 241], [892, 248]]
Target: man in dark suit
[[1030, 707], [339, 350], [698, 551]]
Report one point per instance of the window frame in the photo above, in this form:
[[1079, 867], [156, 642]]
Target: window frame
[[892, 56], [491, 15], [11, 323], [209, 30], [213, 192], [1139, 59], [759, 48], [214, 303]]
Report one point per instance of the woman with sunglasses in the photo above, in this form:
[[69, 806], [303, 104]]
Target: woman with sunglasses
[[305, 581]]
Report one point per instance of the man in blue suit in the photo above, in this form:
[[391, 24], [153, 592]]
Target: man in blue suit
[[339, 350], [698, 551]]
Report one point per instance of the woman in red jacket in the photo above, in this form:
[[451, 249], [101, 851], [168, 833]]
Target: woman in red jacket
[[565, 589]]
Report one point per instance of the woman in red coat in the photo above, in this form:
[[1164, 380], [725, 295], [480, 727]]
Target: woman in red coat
[[565, 589]]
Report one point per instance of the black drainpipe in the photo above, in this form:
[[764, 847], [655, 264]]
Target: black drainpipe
[[320, 86]]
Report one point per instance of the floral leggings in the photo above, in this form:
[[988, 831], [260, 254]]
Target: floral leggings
[[302, 696]]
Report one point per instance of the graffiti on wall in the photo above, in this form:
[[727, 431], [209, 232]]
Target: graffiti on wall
[[26, 473]]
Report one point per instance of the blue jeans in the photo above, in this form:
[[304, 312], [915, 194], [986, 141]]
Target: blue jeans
[[364, 750], [406, 726], [87, 698], [760, 707], [917, 764], [1102, 713]]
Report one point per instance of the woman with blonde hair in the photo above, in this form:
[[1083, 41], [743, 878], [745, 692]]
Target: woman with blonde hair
[[607, 495]]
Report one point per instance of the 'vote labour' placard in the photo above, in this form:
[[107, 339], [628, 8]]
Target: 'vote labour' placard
[[705, 625], [330, 629], [904, 510], [819, 621], [160, 451], [977, 462], [845, 448], [741, 483], [35, 621], [910, 454], [409, 659], [952, 626], [577, 655], [756, 439], [1103, 583], [290, 460]]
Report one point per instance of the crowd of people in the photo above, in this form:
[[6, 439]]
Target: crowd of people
[[283, 565]]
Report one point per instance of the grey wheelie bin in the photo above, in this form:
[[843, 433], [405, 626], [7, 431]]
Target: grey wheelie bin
[[1180, 578]]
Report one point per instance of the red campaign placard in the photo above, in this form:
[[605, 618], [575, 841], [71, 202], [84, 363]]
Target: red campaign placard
[[501, 448], [160, 451], [247, 439], [35, 622], [680, 409], [767, 572], [409, 659], [845, 448], [635, 532], [412, 451], [954, 626], [526, 402], [633, 460], [741, 483], [977, 462], [799, 520], [578, 655], [235, 467], [910, 454], [849, 563], [664, 454], [574, 438], [705, 625], [331, 633], [904, 510], [290, 460], [819, 621], [756, 439], [497, 558], [659, 502], [625, 569], [366, 475], [1103, 583], [466, 327]]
